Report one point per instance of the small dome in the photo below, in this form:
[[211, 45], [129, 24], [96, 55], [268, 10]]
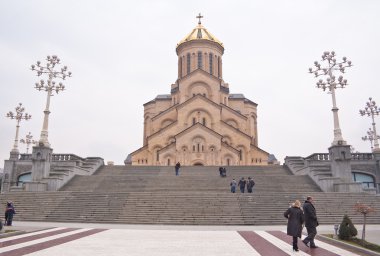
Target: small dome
[[200, 33]]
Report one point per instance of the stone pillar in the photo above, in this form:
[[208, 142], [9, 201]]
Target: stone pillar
[[41, 160], [14, 155], [8, 176], [340, 156], [376, 155]]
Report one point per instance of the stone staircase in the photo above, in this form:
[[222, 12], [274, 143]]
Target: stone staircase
[[154, 195]]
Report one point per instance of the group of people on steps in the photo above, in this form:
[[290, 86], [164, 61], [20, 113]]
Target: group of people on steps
[[297, 216]]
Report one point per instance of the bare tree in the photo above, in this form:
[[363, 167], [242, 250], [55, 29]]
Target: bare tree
[[363, 209]]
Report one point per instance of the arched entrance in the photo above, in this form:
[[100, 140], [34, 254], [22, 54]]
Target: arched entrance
[[198, 164], [23, 178]]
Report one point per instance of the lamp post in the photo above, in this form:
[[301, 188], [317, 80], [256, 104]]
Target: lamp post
[[370, 137], [28, 140], [50, 86], [372, 110], [18, 115], [331, 83]]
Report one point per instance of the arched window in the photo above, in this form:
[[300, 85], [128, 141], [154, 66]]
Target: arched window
[[194, 120], [180, 67], [199, 59], [367, 180], [210, 63], [23, 178], [188, 63], [228, 161], [168, 161], [204, 121], [219, 66]]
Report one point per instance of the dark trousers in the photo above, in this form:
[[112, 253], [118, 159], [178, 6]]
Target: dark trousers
[[295, 242], [9, 219], [311, 233], [242, 189]]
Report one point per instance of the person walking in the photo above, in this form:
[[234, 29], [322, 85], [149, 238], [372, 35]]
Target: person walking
[[295, 217], [311, 222], [177, 166], [9, 212], [250, 185], [221, 171], [224, 172], [241, 184], [233, 185]]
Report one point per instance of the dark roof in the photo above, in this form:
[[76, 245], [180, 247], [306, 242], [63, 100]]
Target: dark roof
[[271, 158], [236, 96], [163, 97]]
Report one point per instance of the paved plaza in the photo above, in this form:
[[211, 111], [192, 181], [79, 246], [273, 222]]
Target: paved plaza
[[111, 239]]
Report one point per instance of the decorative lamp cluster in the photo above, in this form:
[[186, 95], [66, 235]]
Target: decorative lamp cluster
[[371, 110], [18, 116], [50, 68], [331, 83]]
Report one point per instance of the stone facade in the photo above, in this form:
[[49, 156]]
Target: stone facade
[[352, 172], [200, 122], [57, 170]]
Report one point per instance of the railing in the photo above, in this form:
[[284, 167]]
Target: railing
[[319, 157], [326, 156], [25, 156], [55, 157], [66, 157], [362, 156]]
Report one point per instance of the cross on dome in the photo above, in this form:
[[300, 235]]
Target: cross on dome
[[199, 17]]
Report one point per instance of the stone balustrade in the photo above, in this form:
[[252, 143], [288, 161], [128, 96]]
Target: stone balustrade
[[362, 156], [326, 156], [319, 157], [66, 157], [55, 157]]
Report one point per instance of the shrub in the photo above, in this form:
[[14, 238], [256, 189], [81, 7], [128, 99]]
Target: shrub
[[347, 230]]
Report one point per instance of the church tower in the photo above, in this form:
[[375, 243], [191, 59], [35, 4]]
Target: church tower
[[200, 122]]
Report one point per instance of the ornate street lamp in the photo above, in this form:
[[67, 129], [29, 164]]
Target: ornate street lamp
[[370, 137], [49, 86], [331, 83], [28, 140], [19, 115], [372, 110]]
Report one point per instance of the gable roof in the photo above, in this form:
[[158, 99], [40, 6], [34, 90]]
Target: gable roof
[[196, 126]]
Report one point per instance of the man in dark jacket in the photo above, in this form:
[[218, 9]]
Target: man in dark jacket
[[250, 185], [177, 166], [241, 184], [311, 222]]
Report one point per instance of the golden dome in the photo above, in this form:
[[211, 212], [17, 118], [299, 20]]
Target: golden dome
[[200, 33]]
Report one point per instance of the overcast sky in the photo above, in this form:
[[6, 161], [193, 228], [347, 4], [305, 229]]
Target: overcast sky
[[122, 54]]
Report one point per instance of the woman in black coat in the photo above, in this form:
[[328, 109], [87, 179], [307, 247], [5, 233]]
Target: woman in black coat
[[295, 221]]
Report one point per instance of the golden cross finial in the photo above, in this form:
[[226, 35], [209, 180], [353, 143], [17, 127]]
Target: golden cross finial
[[199, 17]]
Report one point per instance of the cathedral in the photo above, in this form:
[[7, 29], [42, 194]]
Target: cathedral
[[200, 122]]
